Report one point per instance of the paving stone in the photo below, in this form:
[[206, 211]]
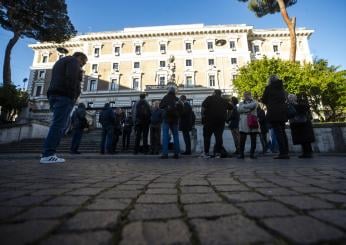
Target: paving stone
[[149, 198], [109, 204], [6, 212], [196, 189], [260, 184], [243, 196], [67, 201], [129, 187], [26, 232], [25, 201], [231, 188], [210, 210], [276, 191], [304, 202], [303, 229], [45, 213], [49, 192], [115, 193], [332, 197], [161, 191], [155, 233], [85, 191], [336, 217], [265, 209], [310, 189], [230, 230], [92, 220], [5, 195], [200, 198], [157, 211], [227, 181], [89, 238], [162, 185], [193, 182]]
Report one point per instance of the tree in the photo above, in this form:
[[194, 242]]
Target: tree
[[12, 101], [264, 7], [323, 86], [42, 20]]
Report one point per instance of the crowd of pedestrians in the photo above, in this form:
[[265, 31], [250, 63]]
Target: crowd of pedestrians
[[163, 119]]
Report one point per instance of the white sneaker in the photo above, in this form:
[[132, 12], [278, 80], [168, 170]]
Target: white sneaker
[[218, 155], [51, 159], [205, 156]]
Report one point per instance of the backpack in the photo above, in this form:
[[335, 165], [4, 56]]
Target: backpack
[[142, 112], [172, 112], [102, 117]]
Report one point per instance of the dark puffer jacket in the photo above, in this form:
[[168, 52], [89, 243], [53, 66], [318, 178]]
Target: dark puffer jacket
[[66, 78], [302, 132], [274, 97]]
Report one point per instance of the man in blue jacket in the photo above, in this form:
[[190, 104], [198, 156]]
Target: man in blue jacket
[[63, 91]]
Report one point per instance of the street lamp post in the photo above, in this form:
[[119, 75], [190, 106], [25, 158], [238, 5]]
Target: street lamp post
[[24, 82]]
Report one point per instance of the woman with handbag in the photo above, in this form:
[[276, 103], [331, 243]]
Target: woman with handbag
[[248, 124], [301, 127]]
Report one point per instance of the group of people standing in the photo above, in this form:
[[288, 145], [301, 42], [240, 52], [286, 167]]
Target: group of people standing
[[169, 114], [172, 114]]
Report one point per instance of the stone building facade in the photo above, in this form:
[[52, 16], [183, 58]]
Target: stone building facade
[[197, 58]]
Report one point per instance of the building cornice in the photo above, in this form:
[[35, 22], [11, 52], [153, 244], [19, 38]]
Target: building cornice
[[172, 30], [255, 33]]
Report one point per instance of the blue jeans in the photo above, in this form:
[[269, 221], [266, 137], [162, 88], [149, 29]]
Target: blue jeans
[[77, 134], [61, 107], [107, 139], [165, 137], [274, 147]]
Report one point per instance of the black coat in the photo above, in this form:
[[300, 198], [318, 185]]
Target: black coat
[[171, 108], [274, 97], [66, 78], [186, 118], [215, 110], [303, 132]]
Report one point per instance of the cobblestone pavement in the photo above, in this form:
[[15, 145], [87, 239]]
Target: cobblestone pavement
[[185, 201]]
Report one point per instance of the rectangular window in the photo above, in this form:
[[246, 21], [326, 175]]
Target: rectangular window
[[94, 68], [256, 48], [97, 52], [212, 80], [162, 80], [232, 45], [162, 63], [233, 61], [188, 47], [45, 59], [188, 63], [117, 51], [38, 90], [115, 66], [114, 84], [163, 48], [189, 81], [275, 48], [234, 77], [135, 83], [41, 74], [211, 62], [210, 46], [138, 49], [136, 65], [92, 85]]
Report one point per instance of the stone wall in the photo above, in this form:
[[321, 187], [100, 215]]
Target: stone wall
[[330, 137], [24, 131]]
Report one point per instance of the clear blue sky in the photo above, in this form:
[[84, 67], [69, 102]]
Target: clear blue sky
[[325, 17]]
